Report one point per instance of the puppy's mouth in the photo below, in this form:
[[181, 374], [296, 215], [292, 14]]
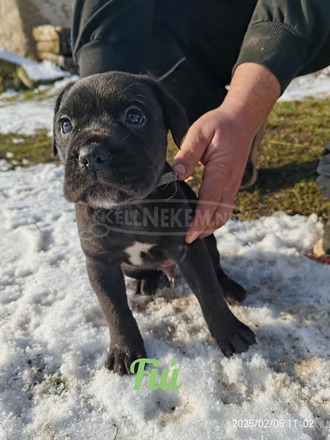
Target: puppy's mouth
[[109, 183]]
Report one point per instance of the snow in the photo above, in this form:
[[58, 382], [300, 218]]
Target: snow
[[36, 71], [54, 340], [25, 116], [316, 85]]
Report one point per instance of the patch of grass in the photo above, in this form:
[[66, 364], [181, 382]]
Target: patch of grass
[[37, 94], [295, 137], [26, 150]]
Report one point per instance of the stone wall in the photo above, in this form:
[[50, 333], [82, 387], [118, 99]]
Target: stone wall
[[18, 17]]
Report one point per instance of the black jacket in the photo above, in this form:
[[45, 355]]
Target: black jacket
[[289, 37]]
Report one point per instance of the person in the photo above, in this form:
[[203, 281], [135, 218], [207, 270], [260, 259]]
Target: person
[[321, 250], [196, 48]]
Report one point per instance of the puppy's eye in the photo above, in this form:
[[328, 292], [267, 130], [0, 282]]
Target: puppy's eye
[[134, 116], [66, 125]]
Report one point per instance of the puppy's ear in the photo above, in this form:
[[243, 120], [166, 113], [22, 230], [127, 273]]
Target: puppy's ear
[[57, 107], [175, 116]]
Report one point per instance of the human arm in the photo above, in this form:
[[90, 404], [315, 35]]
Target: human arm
[[283, 37], [221, 140], [286, 36]]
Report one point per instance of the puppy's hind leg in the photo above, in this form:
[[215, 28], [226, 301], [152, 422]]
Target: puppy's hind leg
[[233, 292], [147, 282], [154, 280]]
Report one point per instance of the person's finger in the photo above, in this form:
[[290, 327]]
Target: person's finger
[[210, 195], [192, 149], [209, 217], [215, 202], [220, 217], [202, 217]]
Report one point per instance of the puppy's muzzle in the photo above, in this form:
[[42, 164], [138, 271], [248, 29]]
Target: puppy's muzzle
[[94, 157]]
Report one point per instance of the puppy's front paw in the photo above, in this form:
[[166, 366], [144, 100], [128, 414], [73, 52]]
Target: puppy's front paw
[[236, 338], [121, 357]]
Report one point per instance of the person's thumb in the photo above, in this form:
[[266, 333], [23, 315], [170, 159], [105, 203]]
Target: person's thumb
[[191, 152]]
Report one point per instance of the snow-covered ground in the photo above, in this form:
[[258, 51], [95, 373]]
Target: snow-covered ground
[[53, 338], [309, 86], [36, 71], [26, 116]]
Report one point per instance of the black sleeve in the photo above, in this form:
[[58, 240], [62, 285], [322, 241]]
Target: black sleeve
[[286, 35], [111, 35]]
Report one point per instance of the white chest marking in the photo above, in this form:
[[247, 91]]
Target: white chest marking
[[134, 252]]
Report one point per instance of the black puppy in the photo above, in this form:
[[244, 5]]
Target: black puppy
[[110, 131]]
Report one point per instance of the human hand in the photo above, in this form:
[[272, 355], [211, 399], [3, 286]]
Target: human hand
[[221, 141]]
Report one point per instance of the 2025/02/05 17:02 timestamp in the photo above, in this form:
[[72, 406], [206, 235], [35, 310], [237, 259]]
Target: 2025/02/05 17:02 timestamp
[[273, 423]]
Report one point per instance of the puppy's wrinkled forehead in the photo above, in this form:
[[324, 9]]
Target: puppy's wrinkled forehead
[[108, 93]]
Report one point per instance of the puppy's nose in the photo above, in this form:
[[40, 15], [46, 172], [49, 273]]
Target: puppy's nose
[[93, 157]]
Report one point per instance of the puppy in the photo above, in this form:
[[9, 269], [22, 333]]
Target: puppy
[[110, 131]]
